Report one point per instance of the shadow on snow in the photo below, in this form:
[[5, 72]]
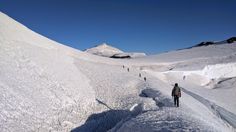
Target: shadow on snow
[[107, 120], [104, 121], [158, 97]]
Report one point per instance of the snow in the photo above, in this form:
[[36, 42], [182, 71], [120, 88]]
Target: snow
[[46, 86], [220, 71], [39, 83], [106, 50], [216, 52], [165, 120]]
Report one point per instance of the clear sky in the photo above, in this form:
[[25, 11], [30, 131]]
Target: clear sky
[[150, 26]]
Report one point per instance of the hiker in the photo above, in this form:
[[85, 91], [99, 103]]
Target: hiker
[[176, 94], [145, 79], [139, 75], [123, 66], [128, 69]]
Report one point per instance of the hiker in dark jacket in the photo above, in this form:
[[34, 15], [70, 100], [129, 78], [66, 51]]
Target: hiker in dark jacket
[[145, 79], [139, 74], [176, 93]]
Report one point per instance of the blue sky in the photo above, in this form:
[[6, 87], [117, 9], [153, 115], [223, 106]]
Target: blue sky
[[150, 26]]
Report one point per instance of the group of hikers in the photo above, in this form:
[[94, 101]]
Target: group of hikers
[[145, 79], [176, 91]]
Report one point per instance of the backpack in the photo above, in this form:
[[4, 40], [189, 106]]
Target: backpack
[[177, 91]]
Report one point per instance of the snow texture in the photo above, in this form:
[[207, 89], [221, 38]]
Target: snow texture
[[46, 86]]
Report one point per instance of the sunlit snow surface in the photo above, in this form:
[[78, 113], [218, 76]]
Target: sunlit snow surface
[[46, 86]]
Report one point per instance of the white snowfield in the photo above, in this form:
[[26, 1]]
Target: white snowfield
[[46, 86]]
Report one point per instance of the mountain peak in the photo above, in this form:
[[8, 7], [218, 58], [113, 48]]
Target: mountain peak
[[103, 45], [107, 50], [104, 50]]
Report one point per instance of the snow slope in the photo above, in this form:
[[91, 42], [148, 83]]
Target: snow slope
[[39, 82], [46, 86], [197, 53]]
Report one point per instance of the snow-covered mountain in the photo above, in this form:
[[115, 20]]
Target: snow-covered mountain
[[112, 52], [207, 43], [104, 50], [46, 86]]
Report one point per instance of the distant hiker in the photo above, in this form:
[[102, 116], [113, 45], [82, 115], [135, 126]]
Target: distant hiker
[[123, 66], [145, 79], [139, 75], [184, 77], [128, 69], [176, 93]]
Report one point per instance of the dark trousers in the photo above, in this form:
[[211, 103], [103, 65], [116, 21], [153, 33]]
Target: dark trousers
[[176, 100]]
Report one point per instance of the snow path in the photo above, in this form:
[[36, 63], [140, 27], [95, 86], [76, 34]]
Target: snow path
[[219, 111], [118, 90], [165, 118], [158, 97], [201, 116]]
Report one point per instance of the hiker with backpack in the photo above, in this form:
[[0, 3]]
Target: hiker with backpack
[[139, 75], [176, 94]]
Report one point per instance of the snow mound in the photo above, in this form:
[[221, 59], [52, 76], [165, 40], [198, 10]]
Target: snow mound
[[104, 50], [167, 119]]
